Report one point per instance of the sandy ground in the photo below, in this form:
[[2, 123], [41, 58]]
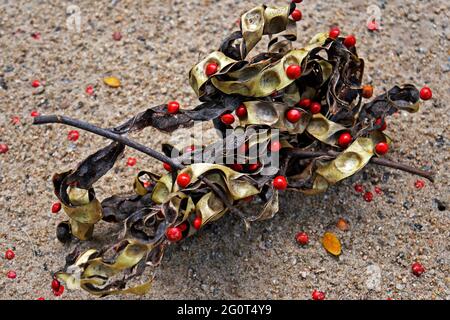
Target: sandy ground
[[161, 41]]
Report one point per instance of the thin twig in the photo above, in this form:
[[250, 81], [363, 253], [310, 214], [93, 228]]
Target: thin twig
[[374, 160]]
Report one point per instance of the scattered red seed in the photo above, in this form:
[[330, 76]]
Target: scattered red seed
[[3, 148], [197, 223], [117, 36], [381, 148], [59, 292], [11, 274], [280, 183], [296, 15], [9, 254], [15, 120], [173, 107], [36, 35], [131, 161], [417, 269], [90, 90], [73, 135], [167, 166], [56, 207], [344, 139], [183, 180], [315, 107], [302, 238], [227, 119], [419, 184], [293, 115], [350, 41], [380, 122], [367, 91], [241, 111], [426, 93], [304, 103], [55, 285], [318, 295], [237, 167], [368, 196], [34, 113], [253, 166], [378, 190], [359, 188], [211, 68], [35, 83], [183, 227], [372, 26], [294, 71], [334, 33], [40, 298], [275, 146], [174, 234]]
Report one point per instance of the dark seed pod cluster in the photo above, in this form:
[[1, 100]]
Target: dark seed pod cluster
[[289, 118]]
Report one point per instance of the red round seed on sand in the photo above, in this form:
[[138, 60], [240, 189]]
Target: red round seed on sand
[[378, 190], [40, 298], [419, 184], [36, 35], [35, 83], [334, 33], [211, 68], [73, 135], [131, 161], [302, 238], [89, 90], [56, 207], [368, 196], [55, 285], [280, 183], [359, 188], [59, 292], [34, 113], [3, 148], [173, 107], [294, 71], [318, 295], [15, 120], [381, 148], [426, 93], [117, 36], [350, 41], [296, 15], [11, 274], [417, 269], [9, 254], [174, 234]]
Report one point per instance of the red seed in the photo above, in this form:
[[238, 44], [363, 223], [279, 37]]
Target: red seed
[[174, 234], [381, 148], [417, 269], [296, 15], [318, 295], [334, 32], [131, 161], [90, 90], [183, 180], [11, 274], [315, 107], [241, 111], [380, 122], [350, 41], [302, 238], [183, 227], [73, 135], [55, 285], [59, 292], [197, 223], [359, 188], [275, 146], [147, 184], [280, 183], [3, 148], [378, 190], [9, 254], [372, 25], [56, 207], [35, 83], [227, 119], [419, 184], [304, 103], [211, 68], [367, 91], [368, 196], [117, 36], [344, 139], [237, 167], [36, 35], [34, 113], [253, 166], [167, 166], [426, 93], [15, 120], [293, 115], [40, 298], [173, 107], [294, 71]]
